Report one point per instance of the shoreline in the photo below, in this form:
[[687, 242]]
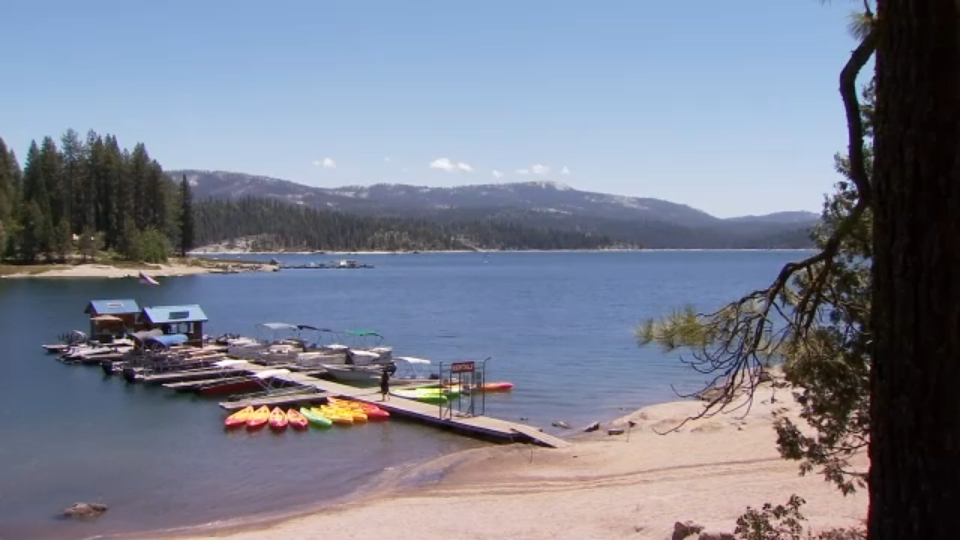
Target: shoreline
[[440, 251], [634, 485], [132, 270], [202, 262]]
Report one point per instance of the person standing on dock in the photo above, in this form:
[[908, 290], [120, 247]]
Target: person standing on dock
[[384, 385]]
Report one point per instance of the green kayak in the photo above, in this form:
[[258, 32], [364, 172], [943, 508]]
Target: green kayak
[[315, 417], [427, 395]]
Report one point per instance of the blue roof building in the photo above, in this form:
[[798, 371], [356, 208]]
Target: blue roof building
[[174, 314], [187, 320], [112, 307], [111, 318]]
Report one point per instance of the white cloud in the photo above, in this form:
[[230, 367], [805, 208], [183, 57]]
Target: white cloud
[[326, 163], [523, 172], [386, 159], [496, 173], [539, 169], [443, 163], [449, 165], [565, 170]]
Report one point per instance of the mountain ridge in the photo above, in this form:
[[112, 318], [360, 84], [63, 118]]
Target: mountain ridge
[[645, 221], [351, 191]]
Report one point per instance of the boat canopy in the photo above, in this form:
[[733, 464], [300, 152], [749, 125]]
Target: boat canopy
[[412, 360], [362, 333], [279, 326], [169, 340], [314, 328], [144, 334], [230, 363], [271, 373]]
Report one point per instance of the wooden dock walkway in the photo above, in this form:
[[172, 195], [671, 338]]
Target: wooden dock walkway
[[282, 400], [480, 426], [191, 375]]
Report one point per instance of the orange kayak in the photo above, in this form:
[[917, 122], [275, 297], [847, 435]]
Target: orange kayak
[[373, 412], [258, 418], [377, 414], [238, 418], [278, 419], [296, 420], [502, 386]]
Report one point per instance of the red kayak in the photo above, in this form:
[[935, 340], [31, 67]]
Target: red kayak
[[238, 418], [497, 386], [258, 418], [296, 420], [278, 419]]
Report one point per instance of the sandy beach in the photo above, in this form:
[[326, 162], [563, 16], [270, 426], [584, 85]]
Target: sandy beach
[[635, 485], [107, 271]]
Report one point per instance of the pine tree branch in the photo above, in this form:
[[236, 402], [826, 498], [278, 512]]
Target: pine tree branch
[[736, 358], [851, 104]]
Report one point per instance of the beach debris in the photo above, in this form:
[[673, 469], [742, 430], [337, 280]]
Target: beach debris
[[84, 510], [615, 431], [682, 530], [592, 427], [561, 424]]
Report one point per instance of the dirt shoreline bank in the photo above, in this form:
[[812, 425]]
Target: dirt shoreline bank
[[109, 271]]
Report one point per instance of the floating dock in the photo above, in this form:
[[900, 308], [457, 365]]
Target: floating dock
[[190, 375], [281, 400], [479, 426]]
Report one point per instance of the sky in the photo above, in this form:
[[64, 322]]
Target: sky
[[731, 107]]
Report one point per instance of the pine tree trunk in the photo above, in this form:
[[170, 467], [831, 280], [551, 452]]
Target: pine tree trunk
[[915, 387]]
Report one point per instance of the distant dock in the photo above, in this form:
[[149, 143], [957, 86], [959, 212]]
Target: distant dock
[[346, 264]]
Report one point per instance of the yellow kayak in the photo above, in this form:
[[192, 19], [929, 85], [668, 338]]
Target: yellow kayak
[[238, 418], [336, 416], [258, 418]]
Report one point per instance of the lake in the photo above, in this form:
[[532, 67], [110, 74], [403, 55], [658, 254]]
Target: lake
[[558, 325]]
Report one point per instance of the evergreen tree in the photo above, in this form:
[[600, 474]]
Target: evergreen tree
[[88, 244], [74, 178], [128, 243], [7, 196], [35, 223], [156, 198], [186, 217], [141, 188], [62, 241], [34, 234], [51, 174], [117, 194]]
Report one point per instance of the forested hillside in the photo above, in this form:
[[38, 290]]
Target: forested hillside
[[283, 226], [85, 195], [649, 222]]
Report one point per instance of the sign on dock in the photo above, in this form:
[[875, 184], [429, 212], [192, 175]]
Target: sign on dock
[[461, 367]]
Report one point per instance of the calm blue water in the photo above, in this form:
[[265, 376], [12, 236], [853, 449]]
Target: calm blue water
[[558, 325]]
